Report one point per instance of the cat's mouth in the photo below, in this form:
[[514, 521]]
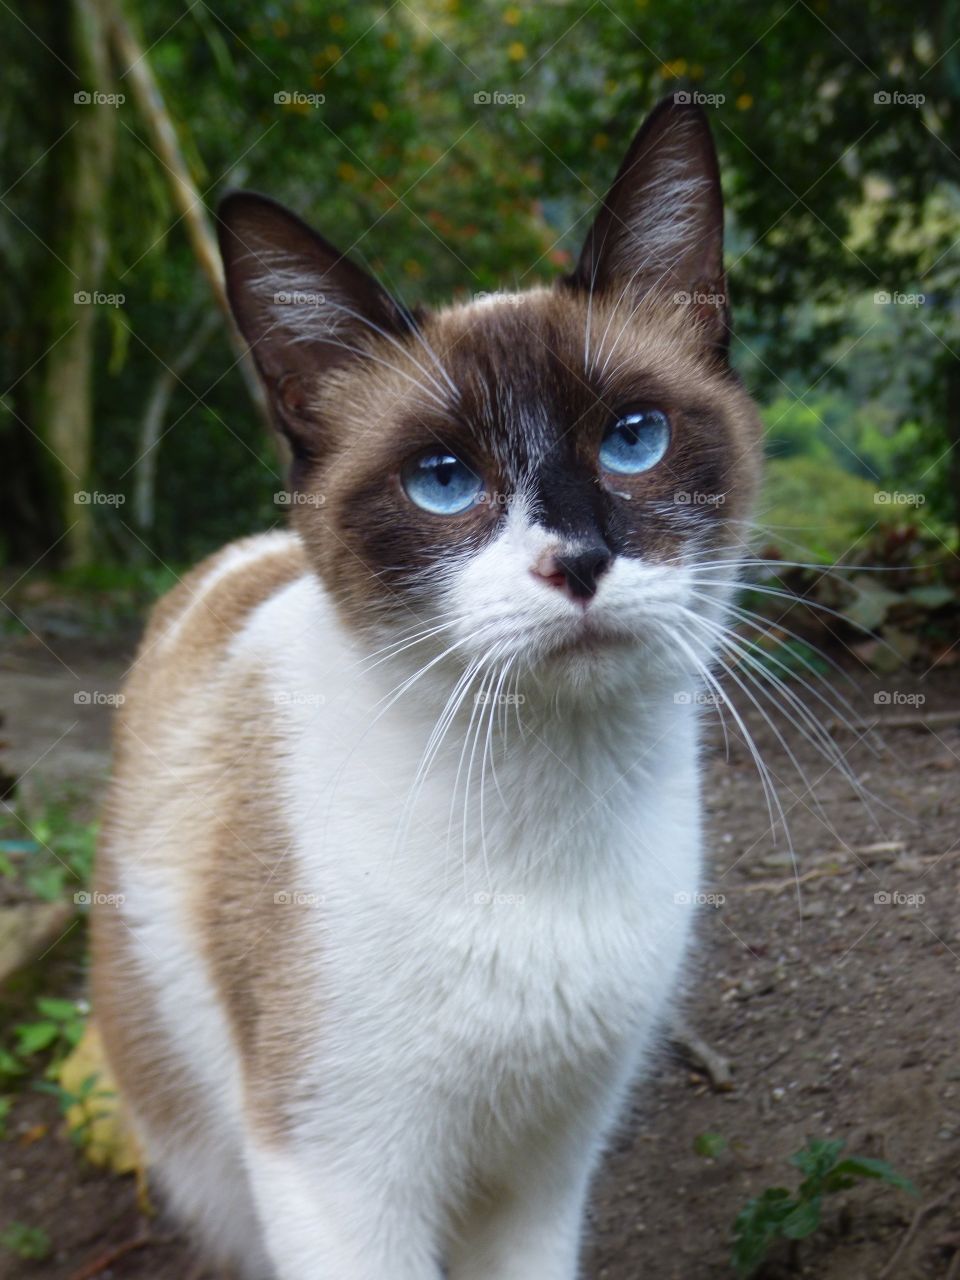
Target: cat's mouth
[[589, 640]]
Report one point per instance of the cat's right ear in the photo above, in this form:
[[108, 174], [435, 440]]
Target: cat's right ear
[[302, 306]]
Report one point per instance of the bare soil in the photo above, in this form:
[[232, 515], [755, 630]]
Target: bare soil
[[837, 1008]]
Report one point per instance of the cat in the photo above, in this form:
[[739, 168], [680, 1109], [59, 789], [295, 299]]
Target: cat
[[404, 819]]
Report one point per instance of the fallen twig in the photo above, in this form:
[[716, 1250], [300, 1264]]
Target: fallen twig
[[903, 720], [923, 1212], [105, 1260]]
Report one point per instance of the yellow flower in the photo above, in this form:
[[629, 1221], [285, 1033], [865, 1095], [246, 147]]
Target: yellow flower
[[412, 267], [337, 22], [346, 172], [390, 40], [516, 51], [281, 28], [512, 16], [332, 52], [744, 102], [379, 111], [676, 67]]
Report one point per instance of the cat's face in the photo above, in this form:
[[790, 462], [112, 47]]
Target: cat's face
[[539, 476]]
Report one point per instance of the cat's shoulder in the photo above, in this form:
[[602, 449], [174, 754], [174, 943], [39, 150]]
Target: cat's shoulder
[[211, 604]]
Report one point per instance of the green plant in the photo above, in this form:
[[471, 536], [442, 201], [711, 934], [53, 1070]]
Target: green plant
[[26, 1242], [57, 1030], [79, 1098], [777, 1213]]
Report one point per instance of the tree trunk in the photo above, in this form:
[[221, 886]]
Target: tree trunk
[[66, 398], [953, 439], [151, 426], [188, 200]]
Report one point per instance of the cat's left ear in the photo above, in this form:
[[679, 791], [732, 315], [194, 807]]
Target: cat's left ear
[[660, 228]]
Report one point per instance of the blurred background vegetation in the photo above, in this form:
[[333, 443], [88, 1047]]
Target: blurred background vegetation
[[456, 147]]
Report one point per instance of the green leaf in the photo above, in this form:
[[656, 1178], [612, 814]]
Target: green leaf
[[60, 1010], [803, 1221], [26, 1242], [818, 1157], [866, 1167], [32, 1037], [709, 1144]]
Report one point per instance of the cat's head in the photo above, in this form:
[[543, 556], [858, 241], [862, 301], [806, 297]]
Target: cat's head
[[542, 475]]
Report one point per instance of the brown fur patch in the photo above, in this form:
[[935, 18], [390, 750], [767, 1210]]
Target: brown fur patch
[[211, 797]]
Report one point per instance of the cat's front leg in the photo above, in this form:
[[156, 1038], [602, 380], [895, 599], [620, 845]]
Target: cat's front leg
[[320, 1223], [529, 1225]]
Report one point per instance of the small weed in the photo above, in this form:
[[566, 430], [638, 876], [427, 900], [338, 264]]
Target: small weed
[[777, 1213], [57, 1030], [26, 1242]]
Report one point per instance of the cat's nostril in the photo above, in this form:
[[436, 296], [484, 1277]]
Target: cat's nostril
[[577, 573]]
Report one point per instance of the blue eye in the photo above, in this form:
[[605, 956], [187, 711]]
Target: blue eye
[[635, 442], [442, 484]]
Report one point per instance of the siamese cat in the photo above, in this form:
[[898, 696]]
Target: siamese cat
[[405, 813]]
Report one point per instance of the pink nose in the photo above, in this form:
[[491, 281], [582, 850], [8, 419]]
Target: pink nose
[[577, 573]]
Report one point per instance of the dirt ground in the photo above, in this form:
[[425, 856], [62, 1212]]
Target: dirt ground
[[838, 1010]]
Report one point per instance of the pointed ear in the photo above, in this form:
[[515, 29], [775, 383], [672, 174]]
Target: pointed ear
[[660, 227], [301, 305]]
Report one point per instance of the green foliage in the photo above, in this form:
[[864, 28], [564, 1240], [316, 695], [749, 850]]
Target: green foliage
[[777, 1213], [49, 853], [832, 197], [55, 1032], [709, 1145], [814, 510], [79, 1098], [30, 1243]]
